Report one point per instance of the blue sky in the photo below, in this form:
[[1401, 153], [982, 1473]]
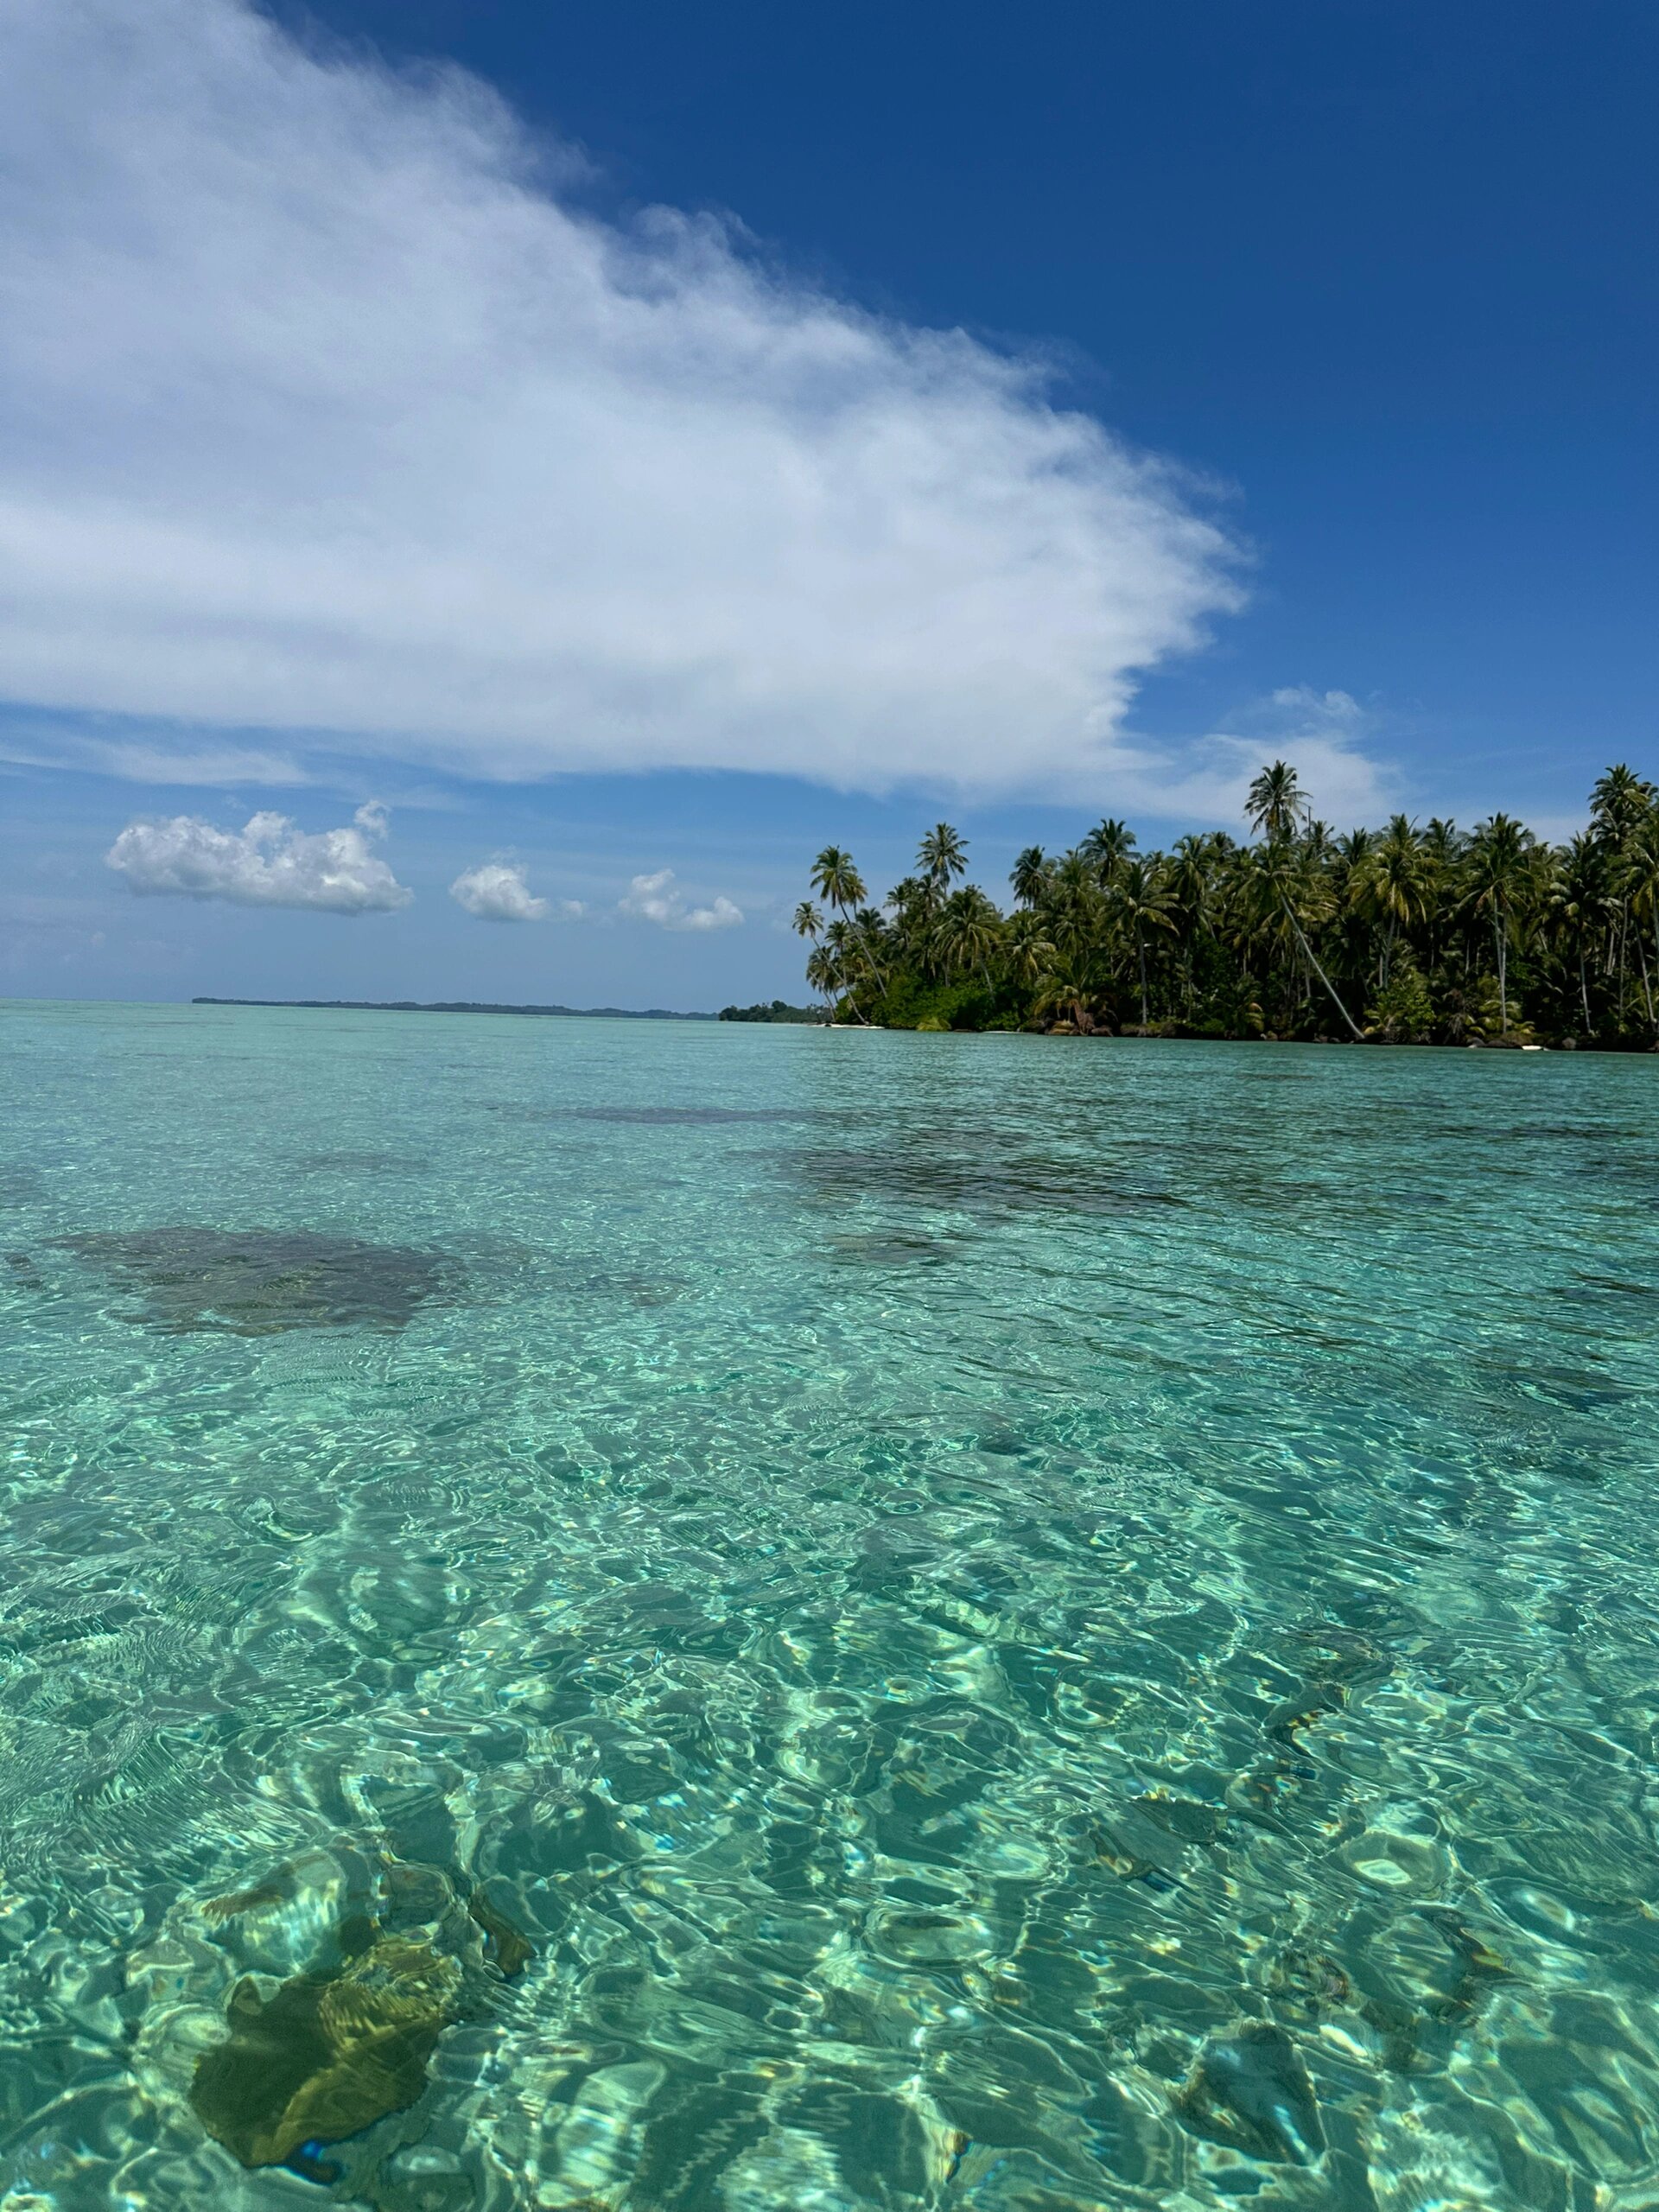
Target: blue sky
[[742, 428]]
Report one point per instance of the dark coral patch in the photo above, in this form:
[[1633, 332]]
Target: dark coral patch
[[256, 1283]]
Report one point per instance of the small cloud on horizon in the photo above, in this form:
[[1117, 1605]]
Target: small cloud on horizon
[[498, 893], [657, 899]]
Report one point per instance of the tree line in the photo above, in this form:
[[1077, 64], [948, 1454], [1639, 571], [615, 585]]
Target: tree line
[[1407, 935], [771, 1010]]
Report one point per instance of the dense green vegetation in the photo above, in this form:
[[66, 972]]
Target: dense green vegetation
[[1406, 935], [773, 1010]]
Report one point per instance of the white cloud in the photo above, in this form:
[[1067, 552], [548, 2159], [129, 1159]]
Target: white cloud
[[496, 893], [1323, 734], [269, 863], [321, 415], [721, 916], [144, 760], [658, 899]]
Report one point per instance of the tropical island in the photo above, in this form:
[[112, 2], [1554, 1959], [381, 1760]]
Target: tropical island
[[1409, 935]]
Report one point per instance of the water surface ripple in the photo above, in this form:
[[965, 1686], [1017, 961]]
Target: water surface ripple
[[863, 1621]]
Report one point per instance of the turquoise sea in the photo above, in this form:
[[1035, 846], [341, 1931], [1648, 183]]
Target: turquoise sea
[[707, 1617]]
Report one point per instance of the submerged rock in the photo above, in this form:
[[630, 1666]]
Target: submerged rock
[[1136, 1845], [1283, 1726], [253, 1282], [509, 1948], [1250, 2091], [1310, 1984], [1479, 1970], [326, 2056]]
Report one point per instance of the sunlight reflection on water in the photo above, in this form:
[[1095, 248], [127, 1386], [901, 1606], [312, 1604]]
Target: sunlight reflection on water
[[763, 1616]]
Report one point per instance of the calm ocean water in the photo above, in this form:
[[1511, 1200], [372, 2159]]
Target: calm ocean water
[[761, 1618]]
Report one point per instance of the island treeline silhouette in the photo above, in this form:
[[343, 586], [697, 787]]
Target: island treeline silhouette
[[1412, 934]]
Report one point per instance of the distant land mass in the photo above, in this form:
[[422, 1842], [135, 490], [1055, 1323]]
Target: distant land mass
[[467, 1005], [774, 1010]]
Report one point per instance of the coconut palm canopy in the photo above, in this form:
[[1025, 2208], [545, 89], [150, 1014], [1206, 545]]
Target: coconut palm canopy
[[1412, 934]]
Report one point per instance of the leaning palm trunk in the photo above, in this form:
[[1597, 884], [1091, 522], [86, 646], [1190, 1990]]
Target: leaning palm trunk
[[1307, 953], [873, 971]]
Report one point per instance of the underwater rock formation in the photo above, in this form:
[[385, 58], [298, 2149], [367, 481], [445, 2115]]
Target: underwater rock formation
[[327, 2055], [1250, 2090], [255, 1282], [509, 1948]]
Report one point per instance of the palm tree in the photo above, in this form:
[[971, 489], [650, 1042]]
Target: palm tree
[[1640, 878], [852, 965], [1274, 805], [1354, 850], [1072, 906], [1108, 845], [836, 877], [1583, 897], [1190, 897], [1029, 874], [824, 974], [1392, 888], [1031, 953], [909, 933], [1620, 804], [1142, 898], [941, 855], [1499, 873], [969, 932], [1282, 883], [807, 921], [1065, 993]]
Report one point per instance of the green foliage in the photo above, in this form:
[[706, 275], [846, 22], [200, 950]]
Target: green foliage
[[776, 1010], [1403, 1011], [1398, 935], [912, 1003], [1495, 1018]]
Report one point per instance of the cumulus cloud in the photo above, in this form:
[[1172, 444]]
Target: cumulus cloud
[[322, 412], [658, 899], [1323, 734], [270, 863], [496, 893], [1329, 737]]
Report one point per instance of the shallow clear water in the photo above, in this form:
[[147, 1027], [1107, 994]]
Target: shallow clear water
[[1016, 1622]]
